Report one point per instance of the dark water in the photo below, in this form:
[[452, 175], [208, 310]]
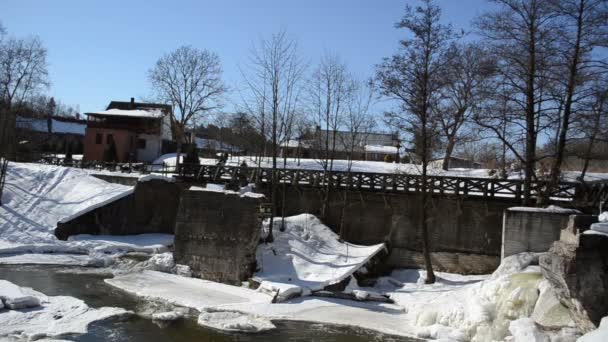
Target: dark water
[[53, 281]]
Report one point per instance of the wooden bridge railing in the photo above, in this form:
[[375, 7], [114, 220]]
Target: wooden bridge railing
[[399, 183]]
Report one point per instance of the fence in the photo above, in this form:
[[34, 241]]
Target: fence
[[582, 193], [398, 183]]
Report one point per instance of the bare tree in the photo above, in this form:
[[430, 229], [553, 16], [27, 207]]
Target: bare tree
[[468, 70], [23, 71], [522, 34], [584, 27], [274, 76], [412, 77], [190, 80], [358, 122], [594, 121], [330, 88]]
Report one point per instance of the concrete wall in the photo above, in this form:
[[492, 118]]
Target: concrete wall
[[151, 208], [217, 234], [532, 229], [465, 234]]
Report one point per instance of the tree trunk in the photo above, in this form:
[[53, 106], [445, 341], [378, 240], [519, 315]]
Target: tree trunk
[[448, 153], [570, 89]]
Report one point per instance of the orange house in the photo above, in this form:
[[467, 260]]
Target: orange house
[[137, 131]]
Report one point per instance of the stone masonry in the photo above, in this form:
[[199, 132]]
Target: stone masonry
[[217, 234]]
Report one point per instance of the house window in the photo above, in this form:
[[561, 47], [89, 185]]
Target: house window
[[141, 144], [98, 138], [109, 138]]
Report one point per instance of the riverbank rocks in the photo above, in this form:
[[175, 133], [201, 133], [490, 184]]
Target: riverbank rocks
[[578, 270]]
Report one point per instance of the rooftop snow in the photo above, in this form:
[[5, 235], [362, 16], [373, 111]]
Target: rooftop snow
[[138, 113], [57, 126], [380, 149]]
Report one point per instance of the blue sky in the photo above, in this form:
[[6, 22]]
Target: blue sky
[[101, 50]]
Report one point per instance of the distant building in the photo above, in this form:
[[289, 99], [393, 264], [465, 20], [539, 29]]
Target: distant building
[[210, 147], [137, 130], [456, 163], [365, 146], [52, 135]]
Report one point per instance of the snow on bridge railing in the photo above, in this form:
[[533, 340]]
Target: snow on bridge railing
[[398, 182]]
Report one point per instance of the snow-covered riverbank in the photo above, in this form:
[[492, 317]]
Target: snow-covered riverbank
[[36, 197]]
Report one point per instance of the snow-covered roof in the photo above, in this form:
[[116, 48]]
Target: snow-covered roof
[[380, 149], [57, 126], [295, 143], [153, 113]]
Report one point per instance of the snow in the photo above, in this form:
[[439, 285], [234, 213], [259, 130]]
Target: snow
[[15, 297], [170, 159], [525, 330], [234, 321], [150, 177], [243, 192], [603, 217], [188, 292], [167, 316], [598, 335], [162, 262], [140, 113], [56, 316], [550, 209], [37, 197], [381, 149], [309, 255]]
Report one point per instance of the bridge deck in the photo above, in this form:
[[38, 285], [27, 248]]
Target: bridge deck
[[588, 194]]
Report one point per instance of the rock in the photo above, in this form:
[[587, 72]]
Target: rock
[[548, 311], [579, 274], [576, 225]]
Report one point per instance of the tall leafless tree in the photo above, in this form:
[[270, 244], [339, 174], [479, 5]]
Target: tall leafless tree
[[358, 123], [584, 28], [23, 71], [594, 122], [330, 88], [274, 75], [522, 34], [412, 77], [190, 80], [468, 70]]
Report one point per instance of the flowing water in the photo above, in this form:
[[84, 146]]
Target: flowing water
[[55, 281]]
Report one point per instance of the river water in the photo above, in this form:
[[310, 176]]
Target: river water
[[90, 288]]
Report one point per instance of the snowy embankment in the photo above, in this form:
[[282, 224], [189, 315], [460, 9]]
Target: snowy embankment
[[37, 197], [31, 315]]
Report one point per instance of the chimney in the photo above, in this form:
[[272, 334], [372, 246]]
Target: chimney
[[132, 103]]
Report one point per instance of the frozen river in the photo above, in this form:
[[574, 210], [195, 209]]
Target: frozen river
[[91, 288]]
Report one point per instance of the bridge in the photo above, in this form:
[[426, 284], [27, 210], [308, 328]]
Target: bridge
[[586, 194]]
